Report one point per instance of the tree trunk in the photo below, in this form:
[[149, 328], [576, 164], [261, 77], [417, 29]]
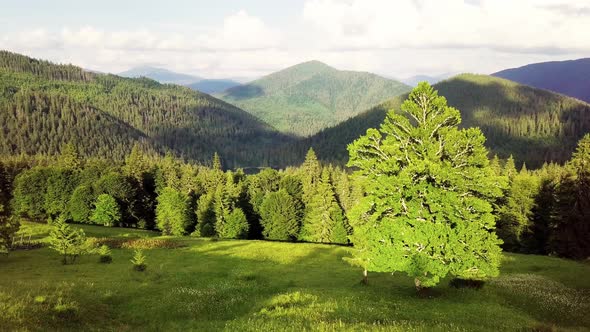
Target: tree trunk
[[418, 284], [365, 280]]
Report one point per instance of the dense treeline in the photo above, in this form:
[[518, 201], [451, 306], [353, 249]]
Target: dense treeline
[[307, 203], [43, 106], [533, 125], [308, 97], [545, 211]]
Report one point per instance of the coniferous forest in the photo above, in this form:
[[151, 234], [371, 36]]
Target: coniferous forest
[[475, 192]]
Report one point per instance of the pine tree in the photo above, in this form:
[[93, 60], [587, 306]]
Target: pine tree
[[279, 216], [67, 241], [136, 165], [173, 213], [427, 211], [510, 168], [69, 158], [324, 221], [311, 172]]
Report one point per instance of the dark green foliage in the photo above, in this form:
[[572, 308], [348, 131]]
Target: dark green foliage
[[67, 241], [81, 204], [571, 237], [278, 216], [106, 211], [308, 97], [43, 106], [205, 215], [60, 185], [427, 211], [30, 188], [535, 126], [173, 215]]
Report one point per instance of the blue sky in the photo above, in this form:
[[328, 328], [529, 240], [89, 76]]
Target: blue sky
[[247, 39]]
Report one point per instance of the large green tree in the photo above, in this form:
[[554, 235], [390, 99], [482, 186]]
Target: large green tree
[[278, 215], [173, 215], [427, 211], [324, 220], [106, 211]]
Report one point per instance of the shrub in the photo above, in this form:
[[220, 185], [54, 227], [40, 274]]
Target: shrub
[[105, 254], [138, 260], [69, 242], [136, 243]]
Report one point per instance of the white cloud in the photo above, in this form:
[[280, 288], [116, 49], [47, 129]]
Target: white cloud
[[518, 26], [395, 38]]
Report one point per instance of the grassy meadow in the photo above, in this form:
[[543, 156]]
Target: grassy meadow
[[239, 285]]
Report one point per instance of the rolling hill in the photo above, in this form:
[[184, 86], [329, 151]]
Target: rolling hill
[[571, 78], [531, 124], [44, 105], [308, 97]]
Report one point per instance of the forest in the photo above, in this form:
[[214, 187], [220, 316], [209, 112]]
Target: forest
[[469, 192]]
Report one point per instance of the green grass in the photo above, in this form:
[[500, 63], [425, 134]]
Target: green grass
[[257, 285]]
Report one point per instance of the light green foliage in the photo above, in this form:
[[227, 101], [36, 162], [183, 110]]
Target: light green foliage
[[8, 227], [516, 212], [278, 216], [105, 254], [311, 171], [230, 224], [173, 215], [69, 158], [324, 220], [106, 211], [136, 165], [67, 241], [427, 210], [235, 226], [139, 260]]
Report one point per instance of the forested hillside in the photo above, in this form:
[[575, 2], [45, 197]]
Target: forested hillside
[[531, 124], [311, 96], [571, 78], [44, 105], [213, 85]]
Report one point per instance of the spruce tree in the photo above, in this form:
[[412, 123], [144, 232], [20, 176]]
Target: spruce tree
[[173, 212], [279, 216], [324, 221], [311, 172], [429, 185]]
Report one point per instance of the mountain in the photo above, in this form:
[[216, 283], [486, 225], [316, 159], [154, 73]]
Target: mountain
[[45, 105], [161, 75], [414, 80], [213, 85], [531, 124], [571, 78], [308, 97]]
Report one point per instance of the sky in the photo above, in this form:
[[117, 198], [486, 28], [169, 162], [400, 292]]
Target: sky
[[251, 38]]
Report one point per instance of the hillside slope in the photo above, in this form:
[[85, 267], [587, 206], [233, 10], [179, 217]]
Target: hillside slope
[[213, 85], [571, 78], [531, 124], [311, 96], [43, 105]]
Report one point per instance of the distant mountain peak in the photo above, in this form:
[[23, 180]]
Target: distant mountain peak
[[161, 75]]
